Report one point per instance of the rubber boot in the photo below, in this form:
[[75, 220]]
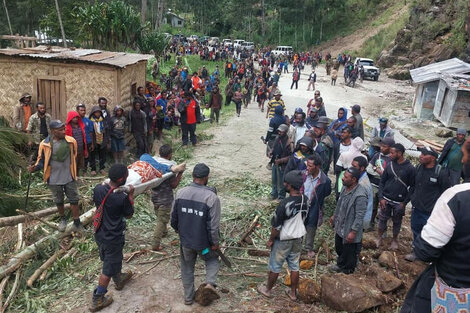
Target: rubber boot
[[100, 301], [121, 279]]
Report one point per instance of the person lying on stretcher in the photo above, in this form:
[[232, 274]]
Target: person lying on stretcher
[[149, 168]]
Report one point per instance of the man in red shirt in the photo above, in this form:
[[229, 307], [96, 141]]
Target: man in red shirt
[[190, 115]]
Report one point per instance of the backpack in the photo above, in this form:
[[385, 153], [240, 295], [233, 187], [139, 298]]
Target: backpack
[[294, 227]]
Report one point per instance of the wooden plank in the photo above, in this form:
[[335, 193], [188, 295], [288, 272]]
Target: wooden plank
[[63, 100], [57, 97], [47, 88], [36, 89], [53, 99], [117, 88], [51, 77]]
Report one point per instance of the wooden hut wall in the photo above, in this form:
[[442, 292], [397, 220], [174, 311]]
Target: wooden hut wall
[[131, 75]]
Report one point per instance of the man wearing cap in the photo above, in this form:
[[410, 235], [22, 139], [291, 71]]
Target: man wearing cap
[[430, 182], [109, 226], [451, 156], [375, 169], [23, 112], [57, 157], [285, 246], [273, 103], [356, 112], [196, 218], [312, 118], [282, 149], [348, 221], [379, 132], [396, 181]]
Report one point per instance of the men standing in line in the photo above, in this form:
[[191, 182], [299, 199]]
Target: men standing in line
[[109, 226], [397, 179], [348, 221], [379, 132], [356, 112], [430, 182], [316, 186], [286, 242], [162, 197], [325, 140], [215, 104], [282, 149], [300, 126], [360, 163], [57, 158], [273, 103], [23, 112], [38, 127], [196, 218], [375, 169], [451, 156], [190, 115]]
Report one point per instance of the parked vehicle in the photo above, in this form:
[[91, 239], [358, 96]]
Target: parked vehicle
[[370, 70], [238, 43], [213, 41], [248, 45], [282, 50], [227, 42], [204, 40]]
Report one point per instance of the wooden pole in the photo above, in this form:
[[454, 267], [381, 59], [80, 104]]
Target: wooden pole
[[60, 23], [14, 220]]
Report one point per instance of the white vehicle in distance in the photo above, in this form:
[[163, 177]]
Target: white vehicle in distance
[[227, 42], [248, 45], [282, 50], [193, 38], [238, 43], [213, 41]]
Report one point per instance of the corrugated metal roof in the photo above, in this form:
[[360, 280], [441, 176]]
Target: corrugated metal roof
[[434, 71], [457, 82], [115, 59]]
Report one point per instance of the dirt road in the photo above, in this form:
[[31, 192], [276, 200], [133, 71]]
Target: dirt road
[[235, 150]]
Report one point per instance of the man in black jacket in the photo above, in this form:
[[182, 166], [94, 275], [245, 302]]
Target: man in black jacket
[[445, 243], [397, 179], [282, 149], [430, 182], [196, 218]]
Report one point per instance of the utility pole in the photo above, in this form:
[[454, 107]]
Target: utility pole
[[60, 23]]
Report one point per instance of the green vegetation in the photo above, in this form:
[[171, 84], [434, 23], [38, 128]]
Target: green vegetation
[[383, 39]]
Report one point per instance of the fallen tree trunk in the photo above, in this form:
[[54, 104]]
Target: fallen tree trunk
[[45, 266], [252, 227], [17, 260], [14, 220]]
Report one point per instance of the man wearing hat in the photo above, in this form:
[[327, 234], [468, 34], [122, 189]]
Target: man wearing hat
[[375, 169], [356, 112], [23, 112], [451, 156], [282, 149], [285, 245], [109, 226], [196, 218], [348, 221], [273, 103], [379, 132], [57, 157], [430, 182]]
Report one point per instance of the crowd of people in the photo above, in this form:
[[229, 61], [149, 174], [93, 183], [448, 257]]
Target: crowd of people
[[307, 152]]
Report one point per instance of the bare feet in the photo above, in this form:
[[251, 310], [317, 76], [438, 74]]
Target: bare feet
[[291, 295], [394, 245], [264, 291], [311, 253]]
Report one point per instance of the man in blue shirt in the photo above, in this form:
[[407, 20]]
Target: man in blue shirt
[[81, 110]]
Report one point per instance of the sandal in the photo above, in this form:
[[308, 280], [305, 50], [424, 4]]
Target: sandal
[[287, 291], [262, 290]]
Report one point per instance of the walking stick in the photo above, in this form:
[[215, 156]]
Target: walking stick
[[27, 192]]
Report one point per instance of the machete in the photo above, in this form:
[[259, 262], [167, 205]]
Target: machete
[[224, 258]]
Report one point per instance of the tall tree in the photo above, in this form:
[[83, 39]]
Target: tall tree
[[60, 23], [143, 12], [8, 16]]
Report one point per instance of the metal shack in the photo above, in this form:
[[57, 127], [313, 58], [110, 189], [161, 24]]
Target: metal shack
[[427, 79], [452, 105], [63, 78]]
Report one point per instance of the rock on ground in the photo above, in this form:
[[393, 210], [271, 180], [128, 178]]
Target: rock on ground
[[204, 296], [387, 282], [350, 293], [309, 291]]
